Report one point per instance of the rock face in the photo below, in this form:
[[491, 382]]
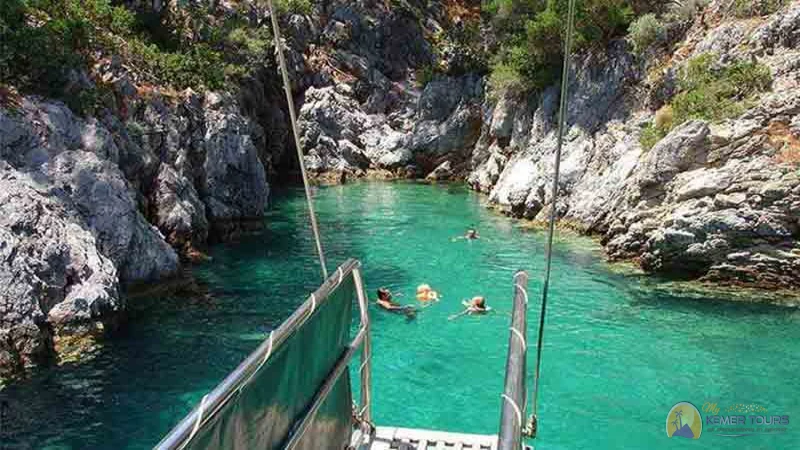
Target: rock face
[[714, 201], [709, 200], [53, 278], [365, 109], [91, 205]]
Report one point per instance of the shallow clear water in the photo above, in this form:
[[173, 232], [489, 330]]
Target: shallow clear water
[[618, 352]]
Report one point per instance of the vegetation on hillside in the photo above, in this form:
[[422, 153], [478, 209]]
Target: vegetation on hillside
[[49, 46], [750, 8], [709, 91], [531, 34]]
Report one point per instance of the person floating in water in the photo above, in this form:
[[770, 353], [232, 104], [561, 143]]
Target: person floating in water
[[426, 294], [470, 235], [386, 302], [475, 306]]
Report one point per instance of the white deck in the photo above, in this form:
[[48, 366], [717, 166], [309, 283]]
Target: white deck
[[407, 439]]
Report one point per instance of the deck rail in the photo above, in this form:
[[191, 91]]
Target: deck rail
[[512, 415], [180, 436]]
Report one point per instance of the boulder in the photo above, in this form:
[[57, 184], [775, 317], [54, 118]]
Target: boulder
[[442, 172], [53, 279], [99, 191], [683, 148], [235, 186], [179, 212]]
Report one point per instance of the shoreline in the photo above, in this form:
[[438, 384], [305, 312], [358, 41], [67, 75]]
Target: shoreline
[[690, 288]]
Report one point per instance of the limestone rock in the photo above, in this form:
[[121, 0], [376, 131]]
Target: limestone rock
[[53, 279], [442, 172], [179, 212], [99, 191], [235, 181]]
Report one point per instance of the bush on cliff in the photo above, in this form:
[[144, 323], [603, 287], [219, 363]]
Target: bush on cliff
[[750, 8], [44, 41], [710, 91], [645, 31], [48, 46], [293, 6], [531, 34]]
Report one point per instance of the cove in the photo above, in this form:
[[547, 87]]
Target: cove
[[618, 353]]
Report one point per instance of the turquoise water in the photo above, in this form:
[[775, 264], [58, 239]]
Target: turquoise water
[[618, 352]]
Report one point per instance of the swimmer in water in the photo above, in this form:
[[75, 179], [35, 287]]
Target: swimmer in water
[[386, 302], [478, 306], [426, 294], [470, 235], [475, 306]]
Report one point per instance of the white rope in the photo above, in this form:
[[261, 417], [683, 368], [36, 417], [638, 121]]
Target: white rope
[[263, 361], [363, 364], [524, 292], [313, 304], [269, 348], [197, 422], [516, 408], [290, 101], [341, 275], [521, 338]]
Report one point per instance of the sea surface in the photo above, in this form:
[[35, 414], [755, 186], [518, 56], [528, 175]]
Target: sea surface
[[619, 350]]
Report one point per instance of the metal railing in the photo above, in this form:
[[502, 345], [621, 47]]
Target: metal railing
[[514, 395], [216, 399]]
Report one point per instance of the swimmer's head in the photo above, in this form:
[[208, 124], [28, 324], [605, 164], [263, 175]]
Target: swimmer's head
[[423, 288]]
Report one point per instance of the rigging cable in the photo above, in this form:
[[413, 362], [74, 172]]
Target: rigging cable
[[552, 221], [290, 101]]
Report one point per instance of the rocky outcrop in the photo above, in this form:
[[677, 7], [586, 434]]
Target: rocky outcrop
[[365, 110], [235, 186], [54, 280], [91, 205], [714, 201]]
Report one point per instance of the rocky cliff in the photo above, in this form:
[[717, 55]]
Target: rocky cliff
[[715, 200], [719, 201], [92, 204]]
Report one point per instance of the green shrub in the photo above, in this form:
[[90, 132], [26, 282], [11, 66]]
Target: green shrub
[[531, 34], [711, 92], [645, 31], [663, 122], [247, 45], [293, 6], [750, 8], [651, 135], [505, 78], [200, 67], [686, 10], [44, 42]]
